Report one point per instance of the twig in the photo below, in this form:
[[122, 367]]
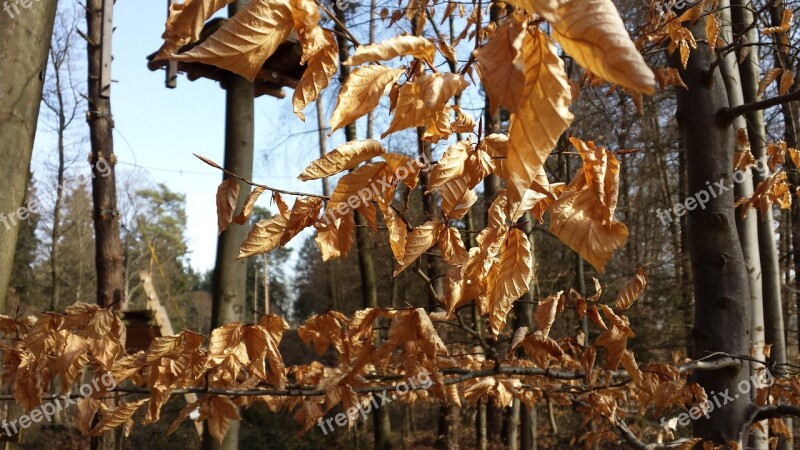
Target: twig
[[251, 183]]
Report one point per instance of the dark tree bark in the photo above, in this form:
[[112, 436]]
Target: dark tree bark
[[722, 310], [24, 42], [229, 282], [369, 288]]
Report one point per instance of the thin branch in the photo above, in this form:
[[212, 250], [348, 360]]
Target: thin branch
[[251, 183], [726, 115]]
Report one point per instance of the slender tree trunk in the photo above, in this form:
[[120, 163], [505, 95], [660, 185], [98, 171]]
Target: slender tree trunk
[[330, 266], [773, 332], [24, 42], [722, 309], [366, 265], [108, 246], [229, 283], [747, 226], [55, 235]]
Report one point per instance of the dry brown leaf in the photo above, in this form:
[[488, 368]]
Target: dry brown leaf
[[592, 32], [409, 111], [249, 204], [437, 88], [361, 93], [244, 42], [415, 46], [114, 418], [420, 240], [185, 23], [370, 182], [87, 409], [669, 76], [398, 233], [219, 412], [583, 216], [447, 50], [631, 291], [304, 214], [227, 198], [501, 64], [786, 83], [786, 23], [457, 198], [545, 314], [629, 363], [712, 31], [345, 157], [322, 66], [264, 237], [451, 245], [768, 78], [305, 15], [335, 237], [450, 165], [509, 278], [543, 116]]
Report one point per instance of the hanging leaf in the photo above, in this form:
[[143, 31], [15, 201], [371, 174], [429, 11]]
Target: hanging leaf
[[113, 419], [227, 198], [583, 216], [631, 291], [543, 116], [322, 66], [501, 64], [186, 22], [509, 278], [345, 157], [305, 16], [415, 46], [249, 204], [592, 32], [450, 165], [419, 241], [264, 237], [361, 93], [244, 42]]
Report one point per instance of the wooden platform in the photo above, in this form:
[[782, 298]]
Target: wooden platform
[[280, 70]]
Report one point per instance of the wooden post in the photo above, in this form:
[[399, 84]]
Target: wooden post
[[172, 66], [229, 284]]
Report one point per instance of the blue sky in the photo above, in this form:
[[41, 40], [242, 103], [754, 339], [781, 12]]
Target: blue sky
[[158, 129]]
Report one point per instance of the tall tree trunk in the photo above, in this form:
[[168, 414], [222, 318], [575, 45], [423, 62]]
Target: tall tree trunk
[[24, 42], [366, 265], [55, 234], [108, 246], [773, 332], [524, 438], [722, 309], [330, 266], [229, 283], [747, 226]]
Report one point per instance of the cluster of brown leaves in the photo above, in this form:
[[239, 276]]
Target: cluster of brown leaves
[[241, 358], [774, 189]]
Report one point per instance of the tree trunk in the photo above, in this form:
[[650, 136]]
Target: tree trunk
[[229, 283], [747, 227], [24, 42], [59, 109], [772, 310], [722, 309], [369, 288], [108, 246]]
